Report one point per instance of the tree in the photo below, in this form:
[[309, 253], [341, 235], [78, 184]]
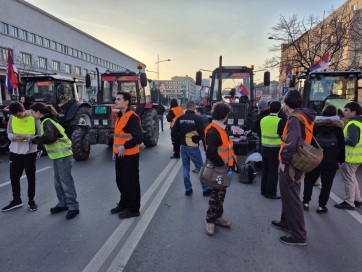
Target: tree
[[302, 43]]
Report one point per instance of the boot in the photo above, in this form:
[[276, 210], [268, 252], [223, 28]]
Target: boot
[[210, 229], [222, 222]]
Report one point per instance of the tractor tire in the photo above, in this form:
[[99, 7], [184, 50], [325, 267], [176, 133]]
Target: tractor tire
[[4, 145], [80, 146], [83, 117], [150, 125], [252, 116]]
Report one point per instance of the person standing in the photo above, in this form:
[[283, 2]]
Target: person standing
[[160, 112], [219, 151], [22, 129], [328, 125], [294, 134], [128, 136], [272, 128], [173, 114], [200, 111], [353, 140], [189, 128], [59, 149]]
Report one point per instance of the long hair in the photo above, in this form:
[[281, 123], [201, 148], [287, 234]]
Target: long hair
[[44, 108]]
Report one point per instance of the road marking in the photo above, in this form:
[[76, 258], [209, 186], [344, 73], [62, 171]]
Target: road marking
[[107, 248], [355, 214], [24, 176]]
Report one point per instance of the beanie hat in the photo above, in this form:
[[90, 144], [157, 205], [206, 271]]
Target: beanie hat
[[262, 104]]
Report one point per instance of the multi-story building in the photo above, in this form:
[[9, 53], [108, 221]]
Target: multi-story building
[[42, 43]]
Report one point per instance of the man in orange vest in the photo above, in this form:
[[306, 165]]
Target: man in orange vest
[[128, 135], [173, 114]]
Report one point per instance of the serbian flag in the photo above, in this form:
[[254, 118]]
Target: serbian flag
[[242, 90], [320, 65], [11, 73]]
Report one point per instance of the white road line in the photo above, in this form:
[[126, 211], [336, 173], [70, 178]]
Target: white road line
[[125, 253], [107, 248], [355, 214], [24, 176]]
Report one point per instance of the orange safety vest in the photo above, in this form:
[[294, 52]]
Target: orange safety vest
[[178, 111], [225, 151], [121, 137], [308, 131]]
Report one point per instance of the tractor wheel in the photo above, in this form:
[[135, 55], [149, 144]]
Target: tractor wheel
[[150, 125], [81, 146], [83, 117], [4, 145], [252, 116]]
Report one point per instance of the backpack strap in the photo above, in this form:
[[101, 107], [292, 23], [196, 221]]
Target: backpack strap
[[301, 120]]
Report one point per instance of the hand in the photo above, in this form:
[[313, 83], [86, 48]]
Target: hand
[[247, 132], [282, 166], [121, 150], [38, 154], [19, 138], [113, 156]]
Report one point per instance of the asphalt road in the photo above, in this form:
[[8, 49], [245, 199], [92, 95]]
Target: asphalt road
[[170, 233]]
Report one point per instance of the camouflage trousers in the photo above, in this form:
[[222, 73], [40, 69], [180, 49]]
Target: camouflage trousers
[[216, 203]]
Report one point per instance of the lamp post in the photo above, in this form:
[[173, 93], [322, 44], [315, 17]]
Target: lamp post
[[158, 65], [152, 72]]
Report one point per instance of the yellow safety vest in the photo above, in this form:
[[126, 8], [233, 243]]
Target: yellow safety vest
[[354, 154], [269, 131], [23, 126], [62, 147]]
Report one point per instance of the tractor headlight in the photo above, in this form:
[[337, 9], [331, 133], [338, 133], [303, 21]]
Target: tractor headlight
[[96, 122], [241, 122], [105, 122]]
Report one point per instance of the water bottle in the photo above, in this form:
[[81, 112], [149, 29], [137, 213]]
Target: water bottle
[[230, 173]]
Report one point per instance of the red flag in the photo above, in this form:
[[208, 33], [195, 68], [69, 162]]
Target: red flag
[[11, 73], [242, 90]]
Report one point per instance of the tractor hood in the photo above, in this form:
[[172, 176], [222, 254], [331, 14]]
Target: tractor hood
[[339, 103]]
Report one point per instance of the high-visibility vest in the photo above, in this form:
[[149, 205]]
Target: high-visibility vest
[[225, 151], [178, 111], [121, 137], [62, 147], [269, 131], [23, 126], [308, 131], [354, 154]]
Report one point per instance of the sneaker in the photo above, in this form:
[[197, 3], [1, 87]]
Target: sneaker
[[222, 222], [71, 214], [196, 171], [32, 206], [306, 206], [278, 225], [117, 209], [358, 203], [207, 192], [175, 157], [322, 210], [344, 205], [58, 209], [13, 205], [128, 214], [189, 192], [292, 241], [210, 229]]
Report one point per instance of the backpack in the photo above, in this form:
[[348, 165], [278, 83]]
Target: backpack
[[328, 141], [246, 173]]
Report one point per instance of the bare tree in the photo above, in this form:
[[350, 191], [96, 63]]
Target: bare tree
[[303, 42]]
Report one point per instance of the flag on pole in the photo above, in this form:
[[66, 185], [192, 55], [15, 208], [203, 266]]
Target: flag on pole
[[242, 90], [289, 70], [11, 73], [320, 65]]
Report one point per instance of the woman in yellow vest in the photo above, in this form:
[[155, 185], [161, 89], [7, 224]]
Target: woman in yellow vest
[[219, 150], [59, 149], [173, 114], [22, 128]]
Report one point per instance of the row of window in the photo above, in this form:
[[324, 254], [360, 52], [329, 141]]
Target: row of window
[[41, 41]]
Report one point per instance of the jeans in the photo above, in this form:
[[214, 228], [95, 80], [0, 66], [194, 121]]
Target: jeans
[[64, 183], [161, 120], [191, 153]]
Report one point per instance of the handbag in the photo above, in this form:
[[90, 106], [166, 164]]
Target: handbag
[[215, 177]]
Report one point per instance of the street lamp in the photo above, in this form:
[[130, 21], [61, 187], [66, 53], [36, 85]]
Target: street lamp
[[152, 72], [158, 65]]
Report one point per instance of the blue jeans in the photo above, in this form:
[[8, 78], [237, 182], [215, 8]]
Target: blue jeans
[[161, 120], [64, 183], [191, 153]]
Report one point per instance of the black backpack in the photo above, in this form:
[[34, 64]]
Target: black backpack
[[328, 141], [246, 173]]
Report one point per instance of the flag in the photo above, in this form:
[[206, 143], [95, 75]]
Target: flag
[[281, 69], [289, 70], [320, 65], [242, 90], [11, 73]]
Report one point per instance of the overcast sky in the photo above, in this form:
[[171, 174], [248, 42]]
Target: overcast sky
[[192, 33]]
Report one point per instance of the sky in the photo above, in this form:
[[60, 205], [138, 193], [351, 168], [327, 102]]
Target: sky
[[192, 33]]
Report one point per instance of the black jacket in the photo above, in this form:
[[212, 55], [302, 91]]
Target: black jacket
[[133, 127], [213, 141], [50, 133]]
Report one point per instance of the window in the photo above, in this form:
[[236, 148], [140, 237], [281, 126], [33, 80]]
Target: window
[[56, 65], [91, 59], [77, 70], [42, 63], [70, 51], [23, 35], [68, 68], [5, 28], [25, 59], [65, 49], [47, 43], [40, 40], [95, 60], [52, 45], [93, 74], [85, 71], [3, 54], [75, 53], [15, 32], [59, 47], [31, 37]]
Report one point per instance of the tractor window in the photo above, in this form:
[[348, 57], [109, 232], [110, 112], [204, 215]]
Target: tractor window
[[240, 81], [110, 89], [42, 91], [336, 86]]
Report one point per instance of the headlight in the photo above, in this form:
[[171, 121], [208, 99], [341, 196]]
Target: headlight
[[230, 121], [105, 122], [241, 122], [96, 122]]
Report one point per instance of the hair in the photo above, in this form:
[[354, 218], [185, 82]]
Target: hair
[[293, 99], [126, 97], [329, 110], [200, 110], [232, 92], [43, 108], [16, 107], [354, 106], [173, 103], [275, 106], [220, 110], [190, 104]]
